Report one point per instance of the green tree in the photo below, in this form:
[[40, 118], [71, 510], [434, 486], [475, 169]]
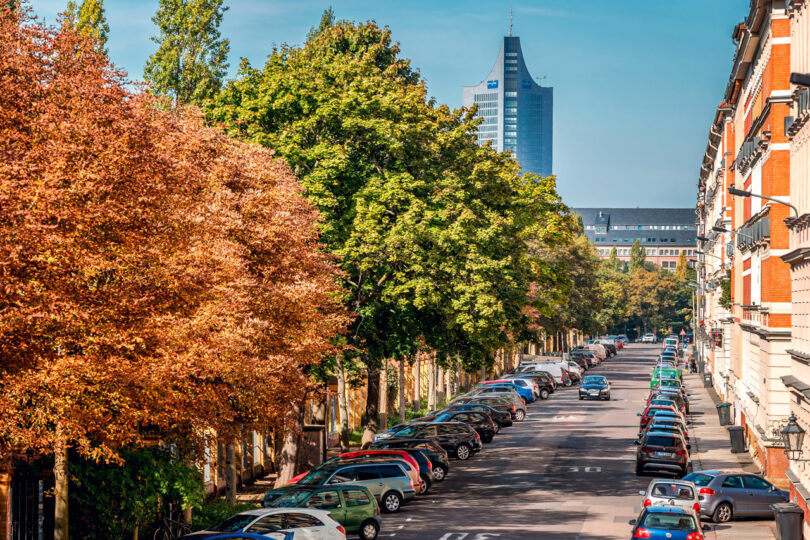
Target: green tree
[[725, 296], [680, 269], [327, 21], [637, 256], [612, 291], [613, 259], [88, 17], [192, 58]]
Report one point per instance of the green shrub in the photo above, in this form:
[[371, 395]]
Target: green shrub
[[216, 511]]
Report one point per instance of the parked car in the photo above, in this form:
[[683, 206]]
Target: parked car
[[306, 523], [525, 383], [545, 383], [649, 338], [506, 388], [502, 417], [431, 449], [481, 422], [725, 495], [515, 402], [594, 387], [665, 492], [354, 507], [662, 452], [388, 482], [459, 440], [418, 467], [667, 523]]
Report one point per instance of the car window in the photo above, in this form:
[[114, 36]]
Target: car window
[[754, 482], [427, 431], [315, 478], [668, 521], [349, 474], [391, 471], [368, 473], [733, 481], [267, 524], [325, 500], [234, 523], [291, 499], [301, 521], [673, 490], [356, 497], [660, 440]]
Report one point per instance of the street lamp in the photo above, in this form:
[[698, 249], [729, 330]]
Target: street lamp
[[702, 238], [724, 230], [793, 437], [742, 193], [699, 252], [800, 79]]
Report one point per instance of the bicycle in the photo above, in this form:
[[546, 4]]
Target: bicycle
[[171, 528]]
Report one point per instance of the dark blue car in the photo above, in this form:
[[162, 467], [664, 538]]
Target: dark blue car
[[667, 523]]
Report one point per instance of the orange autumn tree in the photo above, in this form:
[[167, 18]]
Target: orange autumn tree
[[156, 278]]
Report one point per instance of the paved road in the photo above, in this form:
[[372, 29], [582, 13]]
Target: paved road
[[567, 472]]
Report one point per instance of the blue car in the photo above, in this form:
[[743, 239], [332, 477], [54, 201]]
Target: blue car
[[525, 393], [667, 523]]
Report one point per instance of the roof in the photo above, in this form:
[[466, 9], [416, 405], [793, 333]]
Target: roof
[[639, 216]]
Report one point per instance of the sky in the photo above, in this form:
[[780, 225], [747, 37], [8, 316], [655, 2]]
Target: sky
[[636, 82]]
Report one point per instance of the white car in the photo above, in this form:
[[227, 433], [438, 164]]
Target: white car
[[668, 492], [277, 523], [649, 338]]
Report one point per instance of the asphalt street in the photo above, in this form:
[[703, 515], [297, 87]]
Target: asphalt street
[[567, 472]]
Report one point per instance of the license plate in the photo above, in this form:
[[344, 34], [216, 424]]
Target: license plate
[[593, 392], [664, 454]]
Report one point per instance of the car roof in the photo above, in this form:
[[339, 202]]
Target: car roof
[[668, 510], [258, 512]]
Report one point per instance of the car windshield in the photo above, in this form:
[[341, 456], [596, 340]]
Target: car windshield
[[293, 499], [407, 431], [445, 418], [315, 478], [699, 479], [669, 521], [234, 523], [673, 490], [659, 440], [594, 379]]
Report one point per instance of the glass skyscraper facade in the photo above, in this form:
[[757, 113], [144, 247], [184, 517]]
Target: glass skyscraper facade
[[517, 112]]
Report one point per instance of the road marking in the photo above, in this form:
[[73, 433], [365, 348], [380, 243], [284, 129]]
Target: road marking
[[568, 418]]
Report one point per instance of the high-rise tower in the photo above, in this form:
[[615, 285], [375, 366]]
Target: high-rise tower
[[517, 111]]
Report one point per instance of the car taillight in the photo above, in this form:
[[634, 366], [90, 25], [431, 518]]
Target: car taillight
[[696, 507], [694, 536], [647, 502], [410, 480], [513, 408], [477, 436], [641, 532], [342, 530], [378, 510], [680, 453], [706, 491]]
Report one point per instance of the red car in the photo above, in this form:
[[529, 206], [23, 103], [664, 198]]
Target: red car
[[648, 413]]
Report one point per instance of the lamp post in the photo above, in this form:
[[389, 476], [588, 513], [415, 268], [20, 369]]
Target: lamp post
[[793, 437], [737, 233], [742, 193]]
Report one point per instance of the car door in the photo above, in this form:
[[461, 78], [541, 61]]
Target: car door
[[761, 495], [329, 500], [733, 489], [304, 526], [369, 477]]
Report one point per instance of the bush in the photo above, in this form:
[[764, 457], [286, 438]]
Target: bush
[[216, 511]]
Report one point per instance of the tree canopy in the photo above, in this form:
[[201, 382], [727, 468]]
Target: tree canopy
[[88, 17]]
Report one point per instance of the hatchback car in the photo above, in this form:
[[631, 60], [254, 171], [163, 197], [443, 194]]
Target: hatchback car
[[354, 507], [514, 400], [662, 452], [594, 387], [664, 492], [481, 422], [506, 384], [459, 440], [667, 523], [501, 417], [431, 449], [724, 495], [277, 523]]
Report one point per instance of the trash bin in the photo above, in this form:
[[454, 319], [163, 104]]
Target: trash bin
[[707, 379], [789, 518], [736, 435], [724, 413]]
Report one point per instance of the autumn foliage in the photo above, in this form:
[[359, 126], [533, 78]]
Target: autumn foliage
[[157, 279]]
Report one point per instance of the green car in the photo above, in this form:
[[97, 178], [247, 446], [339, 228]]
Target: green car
[[664, 373], [354, 507]]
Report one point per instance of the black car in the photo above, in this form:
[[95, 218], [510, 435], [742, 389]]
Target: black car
[[594, 387], [516, 410], [611, 349], [584, 358], [430, 449], [662, 452], [483, 424], [458, 439], [502, 417]]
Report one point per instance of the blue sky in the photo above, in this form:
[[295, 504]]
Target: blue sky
[[635, 82]]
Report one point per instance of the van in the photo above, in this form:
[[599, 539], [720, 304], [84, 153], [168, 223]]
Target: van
[[598, 348], [552, 368]]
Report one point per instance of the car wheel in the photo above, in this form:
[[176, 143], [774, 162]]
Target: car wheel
[[544, 393], [369, 530], [463, 452], [497, 428], [520, 415], [567, 382], [439, 473], [392, 502], [425, 484], [607, 398], [581, 398], [722, 513], [487, 437]]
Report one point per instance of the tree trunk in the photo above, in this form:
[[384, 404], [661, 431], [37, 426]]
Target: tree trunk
[[441, 385], [60, 490], [401, 390], [432, 382], [384, 395], [417, 386], [343, 405], [372, 425], [230, 472], [135, 533], [289, 451]]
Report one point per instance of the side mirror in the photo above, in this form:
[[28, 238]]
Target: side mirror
[[637, 443], [688, 446], [642, 493], [638, 414], [631, 522]]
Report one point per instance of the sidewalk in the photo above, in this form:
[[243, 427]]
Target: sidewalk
[[711, 449]]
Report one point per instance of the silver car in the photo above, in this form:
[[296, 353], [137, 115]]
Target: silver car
[[724, 495], [665, 492]]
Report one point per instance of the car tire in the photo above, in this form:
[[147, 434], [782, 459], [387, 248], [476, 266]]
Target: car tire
[[426, 482], [567, 382], [639, 469], [391, 502], [607, 398], [487, 437], [544, 393], [723, 513], [439, 473], [463, 452], [520, 415], [497, 428], [369, 530]]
